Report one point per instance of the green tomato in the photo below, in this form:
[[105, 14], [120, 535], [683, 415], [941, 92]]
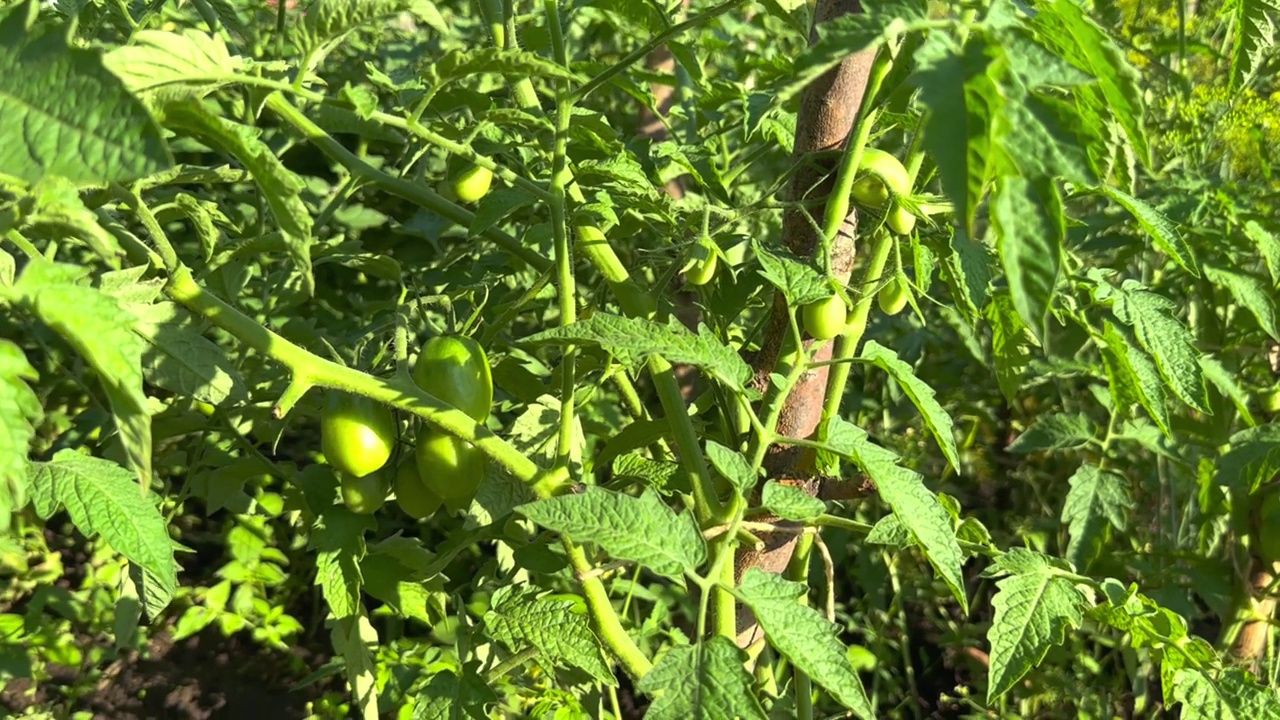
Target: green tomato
[[900, 220], [826, 318], [364, 495], [412, 495], [473, 184], [455, 369], [449, 467], [357, 434], [1271, 400], [868, 191], [893, 297], [703, 266], [880, 164], [1269, 528]]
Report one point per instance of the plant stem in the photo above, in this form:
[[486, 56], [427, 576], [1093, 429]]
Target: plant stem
[[497, 672], [415, 193], [847, 344], [312, 370], [607, 624], [655, 42], [564, 258], [709, 509]]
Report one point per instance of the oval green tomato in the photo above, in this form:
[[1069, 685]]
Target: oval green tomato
[[900, 220], [826, 318], [893, 297], [363, 495], [885, 166], [868, 191], [473, 184], [703, 266], [357, 434], [449, 467], [1269, 528], [455, 369], [412, 495]]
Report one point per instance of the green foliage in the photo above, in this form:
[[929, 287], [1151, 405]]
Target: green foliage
[[567, 298]]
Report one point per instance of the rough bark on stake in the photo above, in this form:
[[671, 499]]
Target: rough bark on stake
[[828, 109]]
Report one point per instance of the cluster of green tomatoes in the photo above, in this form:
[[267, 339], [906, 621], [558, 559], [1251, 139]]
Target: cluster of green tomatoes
[[883, 179], [358, 437]]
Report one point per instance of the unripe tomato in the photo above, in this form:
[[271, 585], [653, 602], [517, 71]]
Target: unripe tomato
[[364, 495], [473, 184], [356, 434], [704, 264], [900, 220], [825, 318], [1271, 400], [887, 168], [868, 191], [1269, 528], [455, 369], [449, 467], [893, 297], [412, 495]]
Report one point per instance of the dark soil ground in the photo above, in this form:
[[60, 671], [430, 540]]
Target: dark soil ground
[[200, 678]]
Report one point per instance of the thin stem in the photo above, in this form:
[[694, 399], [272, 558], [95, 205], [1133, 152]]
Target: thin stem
[[654, 43], [708, 507], [416, 193], [847, 344], [607, 623], [499, 671], [564, 258]]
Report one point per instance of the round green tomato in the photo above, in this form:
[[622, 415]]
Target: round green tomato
[[455, 369], [356, 434], [703, 266], [893, 297], [473, 184], [826, 318], [886, 167], [412, 495], [1269, 528], [363, 495], [449, 467], [900, 220], [1271, 400]]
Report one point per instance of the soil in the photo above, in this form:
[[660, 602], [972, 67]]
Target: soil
[[203, 677]]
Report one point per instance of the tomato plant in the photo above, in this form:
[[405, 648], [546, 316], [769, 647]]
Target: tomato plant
[[357, 435], [694, 459]]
